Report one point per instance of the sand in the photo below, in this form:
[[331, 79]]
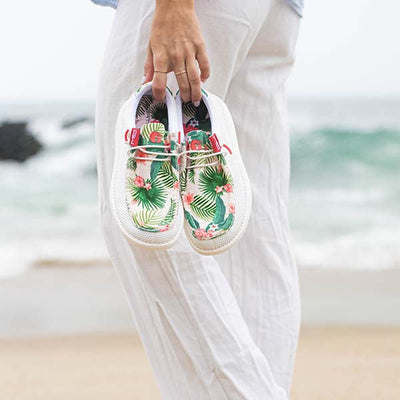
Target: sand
[[55, 300], [359, 363]]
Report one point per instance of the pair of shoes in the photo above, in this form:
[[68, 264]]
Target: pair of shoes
[[179, 165]]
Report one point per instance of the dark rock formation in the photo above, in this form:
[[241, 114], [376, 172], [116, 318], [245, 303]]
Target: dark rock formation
[[70, 123], [16, 142]]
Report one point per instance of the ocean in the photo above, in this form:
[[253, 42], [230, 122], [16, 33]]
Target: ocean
[[345, 187]]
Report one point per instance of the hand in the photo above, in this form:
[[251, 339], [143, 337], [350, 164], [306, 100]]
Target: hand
[[176, 43]]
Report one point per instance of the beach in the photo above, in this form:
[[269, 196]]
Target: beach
[[332, 364], [349, 344], [66, 331]]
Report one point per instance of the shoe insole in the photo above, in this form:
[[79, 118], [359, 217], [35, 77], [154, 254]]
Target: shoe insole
[[195, 118], [150, 110]]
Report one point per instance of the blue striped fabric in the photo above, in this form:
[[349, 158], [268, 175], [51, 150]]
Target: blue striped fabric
[[298, 5]]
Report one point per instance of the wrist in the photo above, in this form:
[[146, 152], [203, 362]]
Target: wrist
[[168, 5]]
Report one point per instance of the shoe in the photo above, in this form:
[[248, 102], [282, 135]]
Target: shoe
[[144, 189], [214, 185]]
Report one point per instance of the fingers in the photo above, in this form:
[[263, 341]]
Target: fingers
[[193, 76], [183, 82], [160, 77], [204, 64], [186, 70], [148, 69]]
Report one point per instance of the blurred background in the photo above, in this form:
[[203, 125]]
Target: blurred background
[[344, 99]]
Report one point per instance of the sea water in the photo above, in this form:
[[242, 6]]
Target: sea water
[[344, 202]]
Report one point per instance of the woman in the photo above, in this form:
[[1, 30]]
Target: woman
[[223, 327]]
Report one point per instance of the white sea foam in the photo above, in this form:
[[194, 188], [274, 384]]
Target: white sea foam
[[344, 199]]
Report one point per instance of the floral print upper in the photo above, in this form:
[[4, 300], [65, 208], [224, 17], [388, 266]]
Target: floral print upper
[[206, 182], [152, 186]]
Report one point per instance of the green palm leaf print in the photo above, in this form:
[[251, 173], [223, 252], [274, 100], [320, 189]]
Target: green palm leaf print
[[210, 178], [183, 180], [151, 199], [131, 163], [151, 127], [147, 219], [166, 175], [191, 175], [170, 214], [203, 207]]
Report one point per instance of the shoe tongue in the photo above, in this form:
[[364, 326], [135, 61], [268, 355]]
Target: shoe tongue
[[201, 140], [153, 133], [198, 140]]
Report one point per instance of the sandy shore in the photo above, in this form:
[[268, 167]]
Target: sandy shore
[[332, 363], [74, 300]]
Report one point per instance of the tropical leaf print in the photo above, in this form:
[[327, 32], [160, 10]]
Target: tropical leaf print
[[170, 214], [147, 129], [219, 215], [150, 198], [144, 105], [191, 220], [227, 223], [166, 175], [183, 176], [159, 112], [156, 166], [147, 219], [131, 164], [188, 108], [191, 175], [203, 207], [212, 178]]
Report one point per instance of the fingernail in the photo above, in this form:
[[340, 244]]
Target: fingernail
[[143, 80], [196, 103]]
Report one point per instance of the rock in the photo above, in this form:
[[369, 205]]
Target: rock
[[70, 123], [16, 142]]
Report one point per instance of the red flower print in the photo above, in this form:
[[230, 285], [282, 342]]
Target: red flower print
[[139, 181], [188, 198], [219, 189], [228, 188], [200, 233], [231, 208], [141, 154], [176, 185], [147, 186], [164, 228]]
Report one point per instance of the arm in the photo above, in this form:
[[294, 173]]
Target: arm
[[176, 43]]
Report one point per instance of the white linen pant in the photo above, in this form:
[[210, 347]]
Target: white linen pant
[[222, 327]]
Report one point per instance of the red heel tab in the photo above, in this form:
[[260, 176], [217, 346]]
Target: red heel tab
[[132, 136], [215, 143]]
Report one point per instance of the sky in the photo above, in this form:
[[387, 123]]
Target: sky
[[52, 49]]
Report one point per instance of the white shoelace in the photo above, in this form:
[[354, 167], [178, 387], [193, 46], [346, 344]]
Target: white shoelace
[[143, 149], [206, 154], [167, 156]]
